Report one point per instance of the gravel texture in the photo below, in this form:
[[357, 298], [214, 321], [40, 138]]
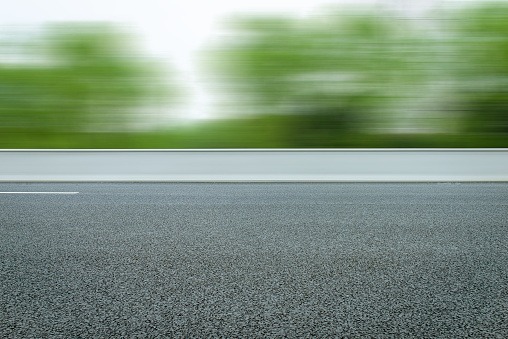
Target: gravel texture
[[148, 260]]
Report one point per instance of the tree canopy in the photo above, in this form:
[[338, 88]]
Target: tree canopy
[[358, 70], [76, 77]]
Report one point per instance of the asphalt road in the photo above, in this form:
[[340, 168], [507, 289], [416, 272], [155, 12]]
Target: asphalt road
[[254, 260]]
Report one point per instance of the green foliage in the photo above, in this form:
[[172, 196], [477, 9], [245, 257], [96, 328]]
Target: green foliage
[[245, 133], [482, 40], [343, 79], [350, 72], [332, 74], [78, 77]]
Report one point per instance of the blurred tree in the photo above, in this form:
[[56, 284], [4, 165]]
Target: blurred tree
[[482, 42], [75, 78], [329, 74]]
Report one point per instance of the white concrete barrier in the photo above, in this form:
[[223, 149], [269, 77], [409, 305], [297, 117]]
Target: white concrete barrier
[[201, 165]]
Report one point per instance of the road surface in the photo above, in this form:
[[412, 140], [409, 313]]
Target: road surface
[[253, 260]]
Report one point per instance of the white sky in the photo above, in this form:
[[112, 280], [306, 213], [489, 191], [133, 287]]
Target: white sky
[[172, 29]]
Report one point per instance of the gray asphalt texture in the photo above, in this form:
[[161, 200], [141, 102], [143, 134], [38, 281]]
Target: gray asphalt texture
[[189, 260]]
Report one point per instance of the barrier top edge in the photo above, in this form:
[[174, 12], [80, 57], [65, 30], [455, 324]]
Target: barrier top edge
[[271, 150]]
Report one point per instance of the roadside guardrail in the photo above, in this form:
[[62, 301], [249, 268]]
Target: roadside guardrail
[[255, 165]]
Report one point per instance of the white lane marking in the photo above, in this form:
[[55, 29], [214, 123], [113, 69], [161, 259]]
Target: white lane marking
[[39, 192]]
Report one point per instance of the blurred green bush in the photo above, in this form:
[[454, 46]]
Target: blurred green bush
[[75, 78]]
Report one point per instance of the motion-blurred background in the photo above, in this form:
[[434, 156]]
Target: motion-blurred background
[[287, 75]]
